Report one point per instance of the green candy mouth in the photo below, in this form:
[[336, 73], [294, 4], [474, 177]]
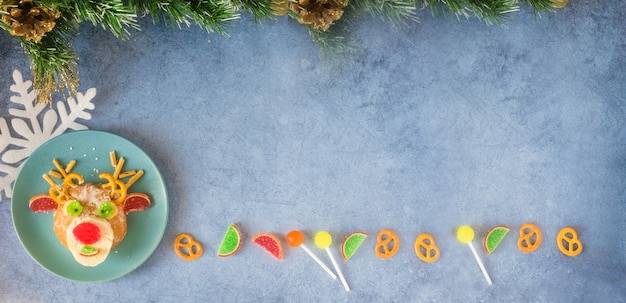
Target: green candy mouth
[[89, 251]]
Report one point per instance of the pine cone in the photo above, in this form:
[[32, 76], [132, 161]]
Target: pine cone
[[319, 13], [27, 19]]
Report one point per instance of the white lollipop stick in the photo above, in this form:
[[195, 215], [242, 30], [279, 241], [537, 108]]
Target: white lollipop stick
[[480, 263], [308, 251], [343, 280]]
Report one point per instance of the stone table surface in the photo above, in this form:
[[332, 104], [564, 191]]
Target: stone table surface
[[425, 128]]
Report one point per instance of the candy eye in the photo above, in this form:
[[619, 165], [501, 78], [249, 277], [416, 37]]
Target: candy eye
[[74, 208], [107, 210]]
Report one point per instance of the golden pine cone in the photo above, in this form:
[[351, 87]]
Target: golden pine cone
[[28, 20], [319, 13]]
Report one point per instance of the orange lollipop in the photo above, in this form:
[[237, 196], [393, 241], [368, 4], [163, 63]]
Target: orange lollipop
[[295, 239]]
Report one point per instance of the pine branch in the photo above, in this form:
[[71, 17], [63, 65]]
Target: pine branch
[[209, 15], [338, 40], [451, 7], [53, 60], [3, 8], [261, 9], [110, 14], [539, 5], [490, 11], [395, 11], [333, 44]]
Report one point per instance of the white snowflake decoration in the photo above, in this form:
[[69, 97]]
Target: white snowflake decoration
[[31, 133]]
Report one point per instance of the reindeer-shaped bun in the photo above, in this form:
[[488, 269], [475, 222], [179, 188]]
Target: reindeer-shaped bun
[[90, 218]]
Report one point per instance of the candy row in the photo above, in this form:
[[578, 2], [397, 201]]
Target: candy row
[[530, 238], [426, 249]]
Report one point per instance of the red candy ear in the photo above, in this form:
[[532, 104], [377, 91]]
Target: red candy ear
[[136, 202], [42, 203]]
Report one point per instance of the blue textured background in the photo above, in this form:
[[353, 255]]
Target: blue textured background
[[442, 123]]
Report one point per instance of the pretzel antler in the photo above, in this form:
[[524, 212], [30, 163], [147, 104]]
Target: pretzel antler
[[118, 187], [59, 192]]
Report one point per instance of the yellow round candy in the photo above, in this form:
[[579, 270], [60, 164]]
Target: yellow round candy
[[323, 239], [465, 234]]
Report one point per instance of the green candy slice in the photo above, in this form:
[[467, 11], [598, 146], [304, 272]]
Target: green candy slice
[[493, 238], [230, 243], [351, 243]]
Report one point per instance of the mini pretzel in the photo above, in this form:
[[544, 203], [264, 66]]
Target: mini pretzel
[[572, 246], [388, 244], [525, 242], [187, 248], [426, 249]]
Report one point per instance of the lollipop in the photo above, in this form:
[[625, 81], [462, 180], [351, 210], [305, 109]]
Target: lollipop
[[295, 239], [465, 234], [323, 240]]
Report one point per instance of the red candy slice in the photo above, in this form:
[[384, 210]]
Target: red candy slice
[[87, 233], [270, 243], [42, 203], [136, 202]]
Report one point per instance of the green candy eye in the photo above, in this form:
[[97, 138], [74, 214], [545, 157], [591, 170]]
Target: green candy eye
[[74, 208], [107, 210]]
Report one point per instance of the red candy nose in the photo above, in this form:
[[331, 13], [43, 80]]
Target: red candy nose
[[87, 233]]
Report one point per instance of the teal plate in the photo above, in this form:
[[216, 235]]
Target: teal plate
[[91, 151]]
